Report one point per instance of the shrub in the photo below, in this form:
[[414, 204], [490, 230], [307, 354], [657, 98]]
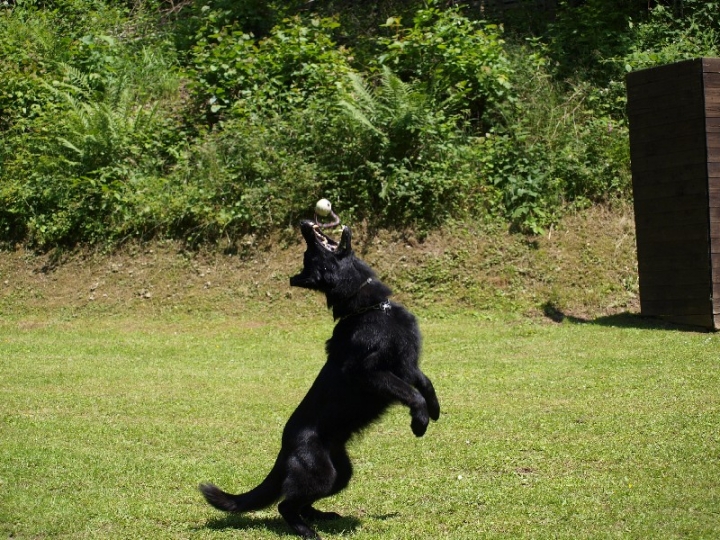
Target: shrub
[[551, 147], [461, 61], [296, 62], [408, 148], [669, 34], [99, 121], [238, 180], [584, 35]]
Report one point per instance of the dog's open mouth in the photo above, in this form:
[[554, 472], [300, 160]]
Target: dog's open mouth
[[324, 240]]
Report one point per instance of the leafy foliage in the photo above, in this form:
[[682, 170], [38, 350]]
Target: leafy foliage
[[297, 62], [102, 124], [461, 61], [668, 35], [223, 118], [410, 148]]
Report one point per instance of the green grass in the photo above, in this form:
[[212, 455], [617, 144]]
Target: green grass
[[596, 430]]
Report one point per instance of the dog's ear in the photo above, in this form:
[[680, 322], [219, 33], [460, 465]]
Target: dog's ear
[[345, 247]]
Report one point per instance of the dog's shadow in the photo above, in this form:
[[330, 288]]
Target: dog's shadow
[[278, 526]]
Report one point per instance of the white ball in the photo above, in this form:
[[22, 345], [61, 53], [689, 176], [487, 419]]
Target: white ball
[[323, 207]]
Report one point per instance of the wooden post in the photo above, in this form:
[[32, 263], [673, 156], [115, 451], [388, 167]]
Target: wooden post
[[674, 113]]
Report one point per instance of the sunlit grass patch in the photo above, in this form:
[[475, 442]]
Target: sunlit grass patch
[[605, 430]]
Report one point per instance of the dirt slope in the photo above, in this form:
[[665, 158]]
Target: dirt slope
[[585, 267]]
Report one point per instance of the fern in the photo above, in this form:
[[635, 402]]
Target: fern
[[362, 107], [394, 111], [102, 118], [393, 107]]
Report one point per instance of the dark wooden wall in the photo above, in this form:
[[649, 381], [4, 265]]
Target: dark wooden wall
[[711, 75], [674, 115]]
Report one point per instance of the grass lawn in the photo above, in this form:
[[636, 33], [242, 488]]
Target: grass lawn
[[574, 430]]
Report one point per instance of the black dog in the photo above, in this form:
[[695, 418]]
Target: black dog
[[372, 362]]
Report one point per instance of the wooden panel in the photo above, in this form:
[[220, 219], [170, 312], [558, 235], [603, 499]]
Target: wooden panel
[[666, 115], [665, 222], [659, 186], [714, 192], [652, 278], [651, 81], [686, 293], [705, 321], [674, 114], [712, 103], [711, 83], [715, 237], [687, 136], [710, 64], [671, 182], [668, 239], [677, 307], [680, 206], [692, 253], [658, 162], [713, 140], [678, 100], [698, 268], [678, 173], [715, 242]]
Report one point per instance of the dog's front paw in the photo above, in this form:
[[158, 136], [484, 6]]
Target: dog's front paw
[[419, 423]]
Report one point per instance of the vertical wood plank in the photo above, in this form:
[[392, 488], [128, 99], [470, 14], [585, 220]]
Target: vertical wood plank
[[674, 114]]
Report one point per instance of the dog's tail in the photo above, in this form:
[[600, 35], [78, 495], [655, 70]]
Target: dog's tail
[[257, 498]]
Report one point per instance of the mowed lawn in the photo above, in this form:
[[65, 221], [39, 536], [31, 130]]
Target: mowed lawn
[[574, 430]]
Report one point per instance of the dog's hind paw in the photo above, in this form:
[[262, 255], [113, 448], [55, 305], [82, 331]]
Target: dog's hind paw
[[313, 514]]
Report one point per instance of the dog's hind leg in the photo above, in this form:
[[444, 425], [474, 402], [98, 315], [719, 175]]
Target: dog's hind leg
[[291, 511], [343, 471], [311, 475]]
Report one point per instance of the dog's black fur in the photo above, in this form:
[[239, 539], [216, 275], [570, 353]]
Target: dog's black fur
[[372, 362]]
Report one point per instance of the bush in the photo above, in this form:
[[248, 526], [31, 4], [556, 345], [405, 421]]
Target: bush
[[407, 150], [98, 119], [105, 134], [242, 179], [461, 62], [550, 148], [669, 35], [298, 61]]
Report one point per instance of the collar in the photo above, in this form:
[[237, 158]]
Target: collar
[[385, 306]]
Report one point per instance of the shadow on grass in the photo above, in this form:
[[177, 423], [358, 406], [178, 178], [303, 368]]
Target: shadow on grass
[[620, 320], [278, 526]]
